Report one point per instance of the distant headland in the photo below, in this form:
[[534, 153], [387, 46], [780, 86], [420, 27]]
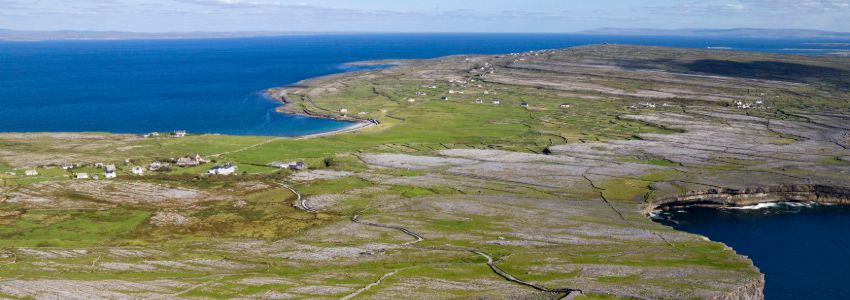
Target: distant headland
[[732, 32], [36, 35]]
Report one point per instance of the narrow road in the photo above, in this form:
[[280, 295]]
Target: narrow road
[[248, 147], [419, 238], [301, 200], [568, 292], [369, 286]]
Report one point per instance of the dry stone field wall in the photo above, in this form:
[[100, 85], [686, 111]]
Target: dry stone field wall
[[381, 215]]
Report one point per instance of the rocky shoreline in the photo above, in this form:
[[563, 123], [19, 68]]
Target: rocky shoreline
[[751, 196], [279, 94], [728, 197]]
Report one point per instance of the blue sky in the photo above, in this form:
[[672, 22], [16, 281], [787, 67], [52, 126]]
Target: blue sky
[[418, 16]]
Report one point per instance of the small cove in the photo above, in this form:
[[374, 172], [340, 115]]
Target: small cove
[[213, 86], [801, 247]]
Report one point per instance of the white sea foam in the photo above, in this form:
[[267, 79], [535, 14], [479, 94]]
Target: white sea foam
[[801, 204], [655, 214], [757, 206], [774, 205]]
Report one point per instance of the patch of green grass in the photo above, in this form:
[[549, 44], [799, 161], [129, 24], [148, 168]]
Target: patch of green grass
[[464, 223], [71, 228], [332, 186], [628, 279], [412, 191]]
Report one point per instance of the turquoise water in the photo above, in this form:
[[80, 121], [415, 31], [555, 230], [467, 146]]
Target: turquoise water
[[212, 86]]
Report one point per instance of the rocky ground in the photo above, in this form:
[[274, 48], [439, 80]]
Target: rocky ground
[[452, 198]]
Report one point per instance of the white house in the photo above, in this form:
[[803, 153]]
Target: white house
[[497, 102], [478, 101], [277, 164], [109, 171], [565, 105], [81, 175], [411, 100], [30, 172], [155, 166], [138, 170], [179, 133], [226, 169], [343, 111]]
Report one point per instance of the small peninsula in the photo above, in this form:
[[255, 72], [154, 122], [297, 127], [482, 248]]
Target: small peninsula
[[515, 176]]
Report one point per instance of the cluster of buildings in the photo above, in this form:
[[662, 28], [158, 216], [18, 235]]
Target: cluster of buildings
[[111, 171], [748, 105], [176, 134], [649, 105], [190, 160], [487, 68]]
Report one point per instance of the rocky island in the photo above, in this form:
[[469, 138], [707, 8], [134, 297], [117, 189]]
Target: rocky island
[[516, 176]]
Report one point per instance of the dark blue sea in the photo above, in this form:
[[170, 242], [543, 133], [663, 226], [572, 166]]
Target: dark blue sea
[[803, 250], [212, 86]]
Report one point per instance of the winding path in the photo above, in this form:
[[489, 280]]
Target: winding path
[[568, 292], [419, 238], [369, 286]]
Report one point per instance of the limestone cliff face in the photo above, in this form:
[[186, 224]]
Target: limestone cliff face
[[753, 290], [752, 196]]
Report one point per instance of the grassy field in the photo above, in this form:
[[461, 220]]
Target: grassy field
[[554, 194]]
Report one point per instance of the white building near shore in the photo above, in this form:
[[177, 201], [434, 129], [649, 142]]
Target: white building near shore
[[138, 170], [226, 169]]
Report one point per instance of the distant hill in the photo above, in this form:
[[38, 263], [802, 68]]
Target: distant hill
[[734, 32], [29, 35]]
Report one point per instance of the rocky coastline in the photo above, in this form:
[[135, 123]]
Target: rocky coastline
[[728, 197]]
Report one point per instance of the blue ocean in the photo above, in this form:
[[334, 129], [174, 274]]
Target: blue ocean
[[801, 249], [213, 86]]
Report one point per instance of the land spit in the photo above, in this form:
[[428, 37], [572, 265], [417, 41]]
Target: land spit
[[550, 186]]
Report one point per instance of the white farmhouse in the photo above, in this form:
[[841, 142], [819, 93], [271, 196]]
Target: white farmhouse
[[30, 172], [138, 170], [226, 169], [109, 172]]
